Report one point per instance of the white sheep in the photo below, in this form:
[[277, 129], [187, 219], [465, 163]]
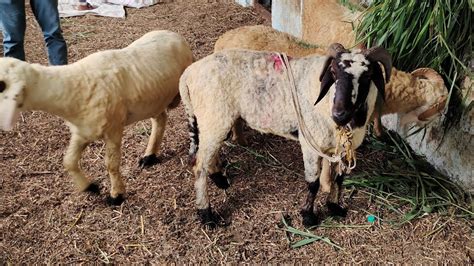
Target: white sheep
[[417, 97], [252, 86], [99, 95]]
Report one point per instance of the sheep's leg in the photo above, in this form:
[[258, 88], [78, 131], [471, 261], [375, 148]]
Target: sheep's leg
[[238, 132], [77, 145], [156, 137], [309, 218], [209, 145], [112, 161], [334, 196], [312, 164], [378, 129], [325, 177], [216, 175]]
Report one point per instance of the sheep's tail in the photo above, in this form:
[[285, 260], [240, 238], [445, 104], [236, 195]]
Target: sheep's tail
[[192, 122]]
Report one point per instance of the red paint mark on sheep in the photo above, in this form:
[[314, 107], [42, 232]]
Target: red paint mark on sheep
[[277, 62]]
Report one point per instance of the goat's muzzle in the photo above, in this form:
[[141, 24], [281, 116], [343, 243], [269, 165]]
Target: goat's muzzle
[[341, 115]]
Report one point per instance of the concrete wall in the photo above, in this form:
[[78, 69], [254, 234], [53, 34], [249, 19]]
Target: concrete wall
[[454, 156], [287, 16], [316, 21]]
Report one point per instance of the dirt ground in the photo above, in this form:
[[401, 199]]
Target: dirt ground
[[44, 220]]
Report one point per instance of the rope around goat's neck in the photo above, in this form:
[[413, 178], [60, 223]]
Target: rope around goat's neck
[[344, 134], [344, 141]]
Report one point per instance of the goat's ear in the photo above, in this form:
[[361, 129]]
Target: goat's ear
[[377, 78], [326, 79], [325, 68]]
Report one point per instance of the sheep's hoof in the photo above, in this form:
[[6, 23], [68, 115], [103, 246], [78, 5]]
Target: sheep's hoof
[[220, 180], [336, 210], [93, 188], [148, 160], [115, 201], [309, 218], [207, 218]]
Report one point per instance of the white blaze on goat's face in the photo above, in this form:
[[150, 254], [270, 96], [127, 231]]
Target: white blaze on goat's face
[[355, 64], [11, 95]]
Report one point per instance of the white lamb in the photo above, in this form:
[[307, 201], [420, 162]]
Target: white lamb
[[253, 86], [99, 95]]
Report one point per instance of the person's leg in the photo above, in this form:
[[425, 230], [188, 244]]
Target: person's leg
[[13, 24], [47, 15]]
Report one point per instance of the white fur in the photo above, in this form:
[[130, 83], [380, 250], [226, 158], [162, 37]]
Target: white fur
[[100, 94], [358, 65], [404, 93], [230, 84]]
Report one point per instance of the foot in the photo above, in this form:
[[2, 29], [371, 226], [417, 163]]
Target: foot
[[207, 218], [117, 201], [148, 160], [93, 188], [336, 210], [309, 218], [220, 180]]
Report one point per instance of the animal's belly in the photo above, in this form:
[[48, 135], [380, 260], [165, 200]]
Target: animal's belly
[[138, 114], [275, 123]]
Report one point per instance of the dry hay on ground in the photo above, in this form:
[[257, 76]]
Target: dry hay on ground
[[43, 219]]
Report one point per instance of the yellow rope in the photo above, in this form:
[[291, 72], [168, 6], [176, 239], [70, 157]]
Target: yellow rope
[[345, 149], [346, 158]]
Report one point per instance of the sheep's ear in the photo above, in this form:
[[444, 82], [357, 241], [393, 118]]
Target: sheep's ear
[[326, 79], [378, 80]]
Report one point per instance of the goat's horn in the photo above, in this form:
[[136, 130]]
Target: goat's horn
[[436, 108], [428, 73], [381, 55], [335, 48]]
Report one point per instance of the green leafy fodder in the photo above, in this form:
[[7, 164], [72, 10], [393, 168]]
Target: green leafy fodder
[[407, 185], [432, 33], [306, 237]]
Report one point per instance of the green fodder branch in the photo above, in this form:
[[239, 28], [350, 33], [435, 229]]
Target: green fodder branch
[[432, 33], [408, 180]]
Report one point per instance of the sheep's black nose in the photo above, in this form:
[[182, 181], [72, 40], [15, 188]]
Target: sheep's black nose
[[341, 117]]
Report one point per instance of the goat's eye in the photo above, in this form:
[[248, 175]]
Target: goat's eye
[[3, 86]]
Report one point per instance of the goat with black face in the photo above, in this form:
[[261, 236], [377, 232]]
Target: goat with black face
[[352, 73], [253, 87]]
